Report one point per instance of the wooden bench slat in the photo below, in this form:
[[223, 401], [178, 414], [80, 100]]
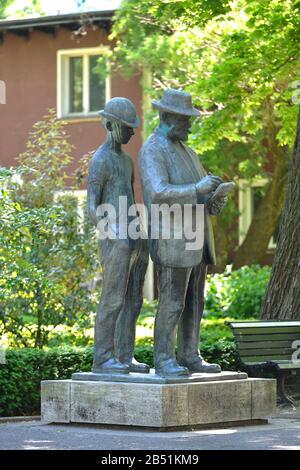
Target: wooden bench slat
[[267, 357], [288, 365], [267, 352], [264, 324], [292, 365], [266, 337], [265, 344], [270, 330]]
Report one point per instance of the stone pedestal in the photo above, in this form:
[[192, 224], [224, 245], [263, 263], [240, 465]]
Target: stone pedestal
[[207, 399]]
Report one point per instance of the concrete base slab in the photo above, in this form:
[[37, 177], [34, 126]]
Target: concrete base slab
[[158, 405], [152, 378]]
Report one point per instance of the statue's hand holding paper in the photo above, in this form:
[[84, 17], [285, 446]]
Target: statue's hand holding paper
[[218, 198], [208, 184]]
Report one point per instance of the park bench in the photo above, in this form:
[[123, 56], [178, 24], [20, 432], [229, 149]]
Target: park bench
[[267, 348]]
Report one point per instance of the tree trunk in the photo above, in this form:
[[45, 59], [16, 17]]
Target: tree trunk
[[38, 343], [265, 219], [266, 216], [282, 300], [225, 241]]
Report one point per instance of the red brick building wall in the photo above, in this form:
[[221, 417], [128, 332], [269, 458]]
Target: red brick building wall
[[29, 70]]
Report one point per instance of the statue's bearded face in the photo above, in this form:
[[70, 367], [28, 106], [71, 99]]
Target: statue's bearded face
[[179, 126]]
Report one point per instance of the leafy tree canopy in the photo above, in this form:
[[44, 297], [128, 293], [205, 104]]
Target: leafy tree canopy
[[4, 4], [12, 8], [238, 59]]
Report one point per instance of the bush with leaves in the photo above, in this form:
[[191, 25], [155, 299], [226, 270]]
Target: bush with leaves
[[46, 259], [238, 294]]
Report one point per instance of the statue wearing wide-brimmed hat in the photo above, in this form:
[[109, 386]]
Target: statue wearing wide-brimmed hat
[[176, 102], [172, 174]]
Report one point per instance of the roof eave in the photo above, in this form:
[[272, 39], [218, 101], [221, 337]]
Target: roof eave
[[56, 20]]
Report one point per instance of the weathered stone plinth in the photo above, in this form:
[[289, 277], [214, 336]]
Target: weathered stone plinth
[[224, 398], [152, 378]]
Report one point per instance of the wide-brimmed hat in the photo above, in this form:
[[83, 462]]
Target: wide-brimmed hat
[[122, 110], [177, 102]]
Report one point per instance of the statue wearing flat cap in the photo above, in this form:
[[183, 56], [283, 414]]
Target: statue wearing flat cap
[[171, 173], [124, 259]]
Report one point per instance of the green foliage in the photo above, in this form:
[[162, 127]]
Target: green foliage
[[46, 259], [225, 54], [48, 154], [231, 64], [4, 4], [45, 262], [24, 369], [8, 9], [239, 60], [238, 294], [222, 353], [11, 8], [147, 312]]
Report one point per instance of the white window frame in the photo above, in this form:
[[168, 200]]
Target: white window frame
[[2, 94], [245, 207], [63, 81]]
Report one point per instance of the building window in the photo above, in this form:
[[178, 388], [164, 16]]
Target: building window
[[250, 195], [83, 86]]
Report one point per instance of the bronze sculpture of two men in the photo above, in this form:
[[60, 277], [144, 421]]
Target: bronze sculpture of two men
[[171, 174]]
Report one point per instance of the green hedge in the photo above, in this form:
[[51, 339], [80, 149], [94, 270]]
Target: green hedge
[[20, 377]]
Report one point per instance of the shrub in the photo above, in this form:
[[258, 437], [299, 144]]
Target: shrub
[[47, 259], [24, 369], [238, 294], [45, 262]]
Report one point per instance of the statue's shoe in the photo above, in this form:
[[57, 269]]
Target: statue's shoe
[[111, 366], [139, 367], [200, 365], [170, 368]]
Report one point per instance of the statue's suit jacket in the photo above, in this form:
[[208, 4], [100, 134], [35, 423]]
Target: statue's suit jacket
[[168, 173]]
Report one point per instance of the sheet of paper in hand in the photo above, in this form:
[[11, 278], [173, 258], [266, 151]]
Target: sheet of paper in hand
[[222, 190]]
